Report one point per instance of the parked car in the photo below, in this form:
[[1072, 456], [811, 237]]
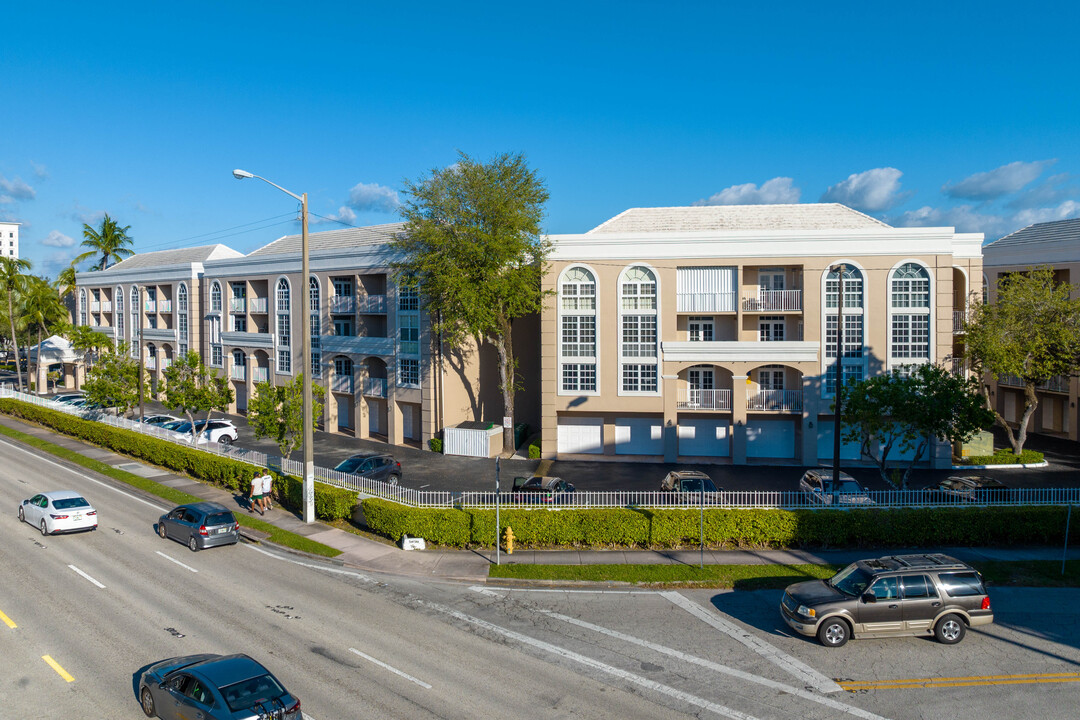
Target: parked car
[[66, 398], [539, 489], [220, 431], [930, 594], [200, 525], [373, 466], [971, 488], [174, 425], [160, 419], [687, 486], [215, 687], [59, 511], [818, 485]]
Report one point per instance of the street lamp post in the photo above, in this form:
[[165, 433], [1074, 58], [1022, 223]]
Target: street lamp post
[[305, 348]]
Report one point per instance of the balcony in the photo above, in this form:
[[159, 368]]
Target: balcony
[[164, 306], [342, 304], [775, 401], [260, 374], [258, 305], [1010, 381], [237, 305], [780, 352], [248, 339], [357, 345], [166, 362], [103, 329], [1058, 384], [106, 306], [762, 300], [95, 306], [150, 306], [371, 304], [375, 387], [238, 372], [151, 363], [696, 399], [159, 334], [705, 302], [341, 383], [958, 319]]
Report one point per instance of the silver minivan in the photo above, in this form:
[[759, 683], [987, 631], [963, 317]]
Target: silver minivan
[[200, 525]]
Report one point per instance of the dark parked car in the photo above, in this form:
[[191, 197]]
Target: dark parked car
[[929, 594], [215, 687], [200, 525], [373, 466], [687, 486], [542, 490], [817, 484], [971, 488]]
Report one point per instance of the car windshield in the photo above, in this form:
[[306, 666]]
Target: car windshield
[[849, 486], [220, 518], [174, 424], [184, 427], [851, 580], [70, 503], [349, 465], [694, 485], [247, 693]]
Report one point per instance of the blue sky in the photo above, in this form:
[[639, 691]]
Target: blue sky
[[961, 114]]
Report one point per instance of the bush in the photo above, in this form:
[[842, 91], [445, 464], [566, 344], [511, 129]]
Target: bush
[[435, 444], [751, 528], [331, 503], [1004, 456], [534, 449]]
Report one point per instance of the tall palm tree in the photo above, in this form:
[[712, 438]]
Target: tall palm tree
[[43, 310], [12, 281], [108, 241], [65, 285]]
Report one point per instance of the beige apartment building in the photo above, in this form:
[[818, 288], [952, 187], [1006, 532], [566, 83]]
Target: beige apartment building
[[1056, 244], [709, 334]]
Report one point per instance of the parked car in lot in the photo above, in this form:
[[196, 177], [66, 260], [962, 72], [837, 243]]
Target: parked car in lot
[[687, 486], [373, 466], [160, 419], [214, 430], [200, 525], [215, 687], [59, 511], [540, 489], [66, 398], [969, 488], [817, 484], [930, 594]]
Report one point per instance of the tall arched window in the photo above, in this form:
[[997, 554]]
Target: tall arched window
[[316, 330], [82, 306], [134, 310], [282, 303], [909, 315], [119, 294], [215, 297], [182, 319], [151, 356], [854, 325], [638, 330], [239, 365], [577, 331]]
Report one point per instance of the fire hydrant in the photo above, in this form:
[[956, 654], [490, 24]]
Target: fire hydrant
[[508, 536]]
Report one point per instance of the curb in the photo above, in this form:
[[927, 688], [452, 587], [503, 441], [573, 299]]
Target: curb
[[1010, 466]]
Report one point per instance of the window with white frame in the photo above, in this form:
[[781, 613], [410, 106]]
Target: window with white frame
[[579, 377], [314, 305], [852, 374], [909, 320], [409, 333], [910, 287], [639, 378], [638, 331], [771, 377], [238, 322], [408, 372], [638, 336], [82, 307], [282, 304], [701, 329], [854, 326], [853, 336], [182, 319], [408, 297], [771, 328], [578, 336], [577, 291], [910, 337], [215, 297], [284, 360], [577, 330], [119, 294], [343, 286], [134, 310], [638, 289], [853, 288]]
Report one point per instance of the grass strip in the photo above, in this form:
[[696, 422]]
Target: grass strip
[[740, 577], [178, 497]]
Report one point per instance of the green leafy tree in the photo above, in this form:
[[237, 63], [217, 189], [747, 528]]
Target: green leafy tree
[[114, 381], [13, 279], [1031, 331], [474, 250], [904, 411], [42, 310], [65, 283], [108, 240], [278, 412], [88, 343], [191, 388]]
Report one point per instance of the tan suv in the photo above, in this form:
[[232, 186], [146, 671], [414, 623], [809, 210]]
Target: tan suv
[[929, 594]]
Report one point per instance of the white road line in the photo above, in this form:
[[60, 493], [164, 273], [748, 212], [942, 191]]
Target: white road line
[[800, 670], [495, 593], [186, 567], [596, 664], [392, 669], [87, 576], [313, 566]]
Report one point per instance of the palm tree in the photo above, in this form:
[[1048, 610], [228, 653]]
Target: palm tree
[[65, 285], [43, 310], [108, 241], [13, 280]]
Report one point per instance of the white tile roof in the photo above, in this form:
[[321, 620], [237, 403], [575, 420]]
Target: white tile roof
[[181, 256], [803, 216], [333, 240]]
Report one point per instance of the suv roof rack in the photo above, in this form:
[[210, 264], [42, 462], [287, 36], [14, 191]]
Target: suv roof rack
[[924, 560]]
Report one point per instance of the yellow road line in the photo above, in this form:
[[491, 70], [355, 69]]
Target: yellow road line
[[961, 681], [59, 670], [8, 621]]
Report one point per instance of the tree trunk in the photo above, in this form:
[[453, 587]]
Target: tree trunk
[[505, 345], [15, 340], [1031, 401], [37, 363]]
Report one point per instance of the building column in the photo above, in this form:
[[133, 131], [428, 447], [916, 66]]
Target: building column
[[738, 419], [359, 403], [811, 409], [671, 418]]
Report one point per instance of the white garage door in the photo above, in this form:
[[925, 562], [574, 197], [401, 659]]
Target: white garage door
[[711, 438], [241, 397], [770, 438], [581, 435], [410, 421], [848, 450], [639, 436]]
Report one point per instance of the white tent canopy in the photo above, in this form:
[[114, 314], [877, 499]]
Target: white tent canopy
[[53, 350]]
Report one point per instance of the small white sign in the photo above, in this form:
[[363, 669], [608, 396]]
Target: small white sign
[[412, 543], [508, 422]]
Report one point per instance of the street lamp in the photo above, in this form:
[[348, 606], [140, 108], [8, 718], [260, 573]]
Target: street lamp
[[305, 348]]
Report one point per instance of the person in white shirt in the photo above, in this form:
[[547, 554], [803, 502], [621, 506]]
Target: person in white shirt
[[256, 494], [267, 491]]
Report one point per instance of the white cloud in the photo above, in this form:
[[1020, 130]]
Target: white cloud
[[15, 190], [771, 192], [58, 239], [1065, 211], [964, 218], [1053, 190], [997, 182], [373, 197], [875, 190], [344, 215], [40, 171]]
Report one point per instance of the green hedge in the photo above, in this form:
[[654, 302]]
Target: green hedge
[[668, 528], [1005, 456], [331, 503]]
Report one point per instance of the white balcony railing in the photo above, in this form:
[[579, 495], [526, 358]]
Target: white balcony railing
[[238, 372], [342, 304], [237, 305], [341, 383], [371, 304], [1058, 383], [775, 400], [151, 363], [705, 302], [164, 306], [106, 306], [357, 345], [260, 374], [762, 300], [958, 318], [697, 399], [150, 306], [257, 305], [375, 387], [166, 362], [95, 306]]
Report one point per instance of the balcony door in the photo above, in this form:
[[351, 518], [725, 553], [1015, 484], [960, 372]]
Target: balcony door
[[771, 279], [771, 328], [702, 383]]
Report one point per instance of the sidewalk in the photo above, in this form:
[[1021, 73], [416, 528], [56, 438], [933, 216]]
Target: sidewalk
[[472, 566]]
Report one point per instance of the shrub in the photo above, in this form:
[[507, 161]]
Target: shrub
[[1004, 456], [435, 444], [534, 449], [331, 503]]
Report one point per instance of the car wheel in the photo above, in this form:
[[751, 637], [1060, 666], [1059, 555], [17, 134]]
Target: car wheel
[[161, 530], [192, 544], [225, 440], [22, 515], [833, 633], [147, 702], [393, 479], [44, 528], [950, 630]]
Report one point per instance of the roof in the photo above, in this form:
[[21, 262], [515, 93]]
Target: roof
[[229, 669], [1057, 231], [180, 256], [802, 216], [61, 494], [333, 239]]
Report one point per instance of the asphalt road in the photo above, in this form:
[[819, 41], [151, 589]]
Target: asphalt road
[[104, 605]]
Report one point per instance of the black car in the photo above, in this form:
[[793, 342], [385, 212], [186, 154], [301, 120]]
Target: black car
[[215, 687], [689, 486], [969, 488], [200, 525], [373, 466], [542, 490]]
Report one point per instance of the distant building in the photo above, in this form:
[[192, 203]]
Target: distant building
[[9, 239]]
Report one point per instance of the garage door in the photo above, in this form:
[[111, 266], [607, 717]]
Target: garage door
[[241, 397], [639, 436], [710, 438], [410, 421], [344, 411], [770, 438], [848, 450], [581, 435]]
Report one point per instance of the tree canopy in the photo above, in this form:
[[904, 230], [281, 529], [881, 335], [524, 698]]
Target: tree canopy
[[114, 381], [278, 412], [108, 241], [190, 388], [13, 280], [1031, 331]]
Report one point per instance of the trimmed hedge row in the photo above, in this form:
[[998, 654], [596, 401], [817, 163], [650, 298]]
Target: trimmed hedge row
[[668, 528], [331, 503]]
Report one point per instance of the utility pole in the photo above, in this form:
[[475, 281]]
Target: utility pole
[[839, 377], [142, 362]]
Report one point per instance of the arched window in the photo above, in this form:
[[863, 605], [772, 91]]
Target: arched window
[[577, 331], [282, 303], [182, 319], [854, 333], [215, 297], [577, 290], [134, 310], [82, 306], [119, 294], [638, 289], [985, 289], [151, 356], [909, 315], [239, 365], [638, 331], [314, 303]]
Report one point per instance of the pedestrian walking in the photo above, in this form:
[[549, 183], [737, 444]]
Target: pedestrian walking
[[268, 490], [256, 494]]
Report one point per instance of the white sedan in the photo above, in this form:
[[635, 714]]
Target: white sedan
[[59, 511]]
